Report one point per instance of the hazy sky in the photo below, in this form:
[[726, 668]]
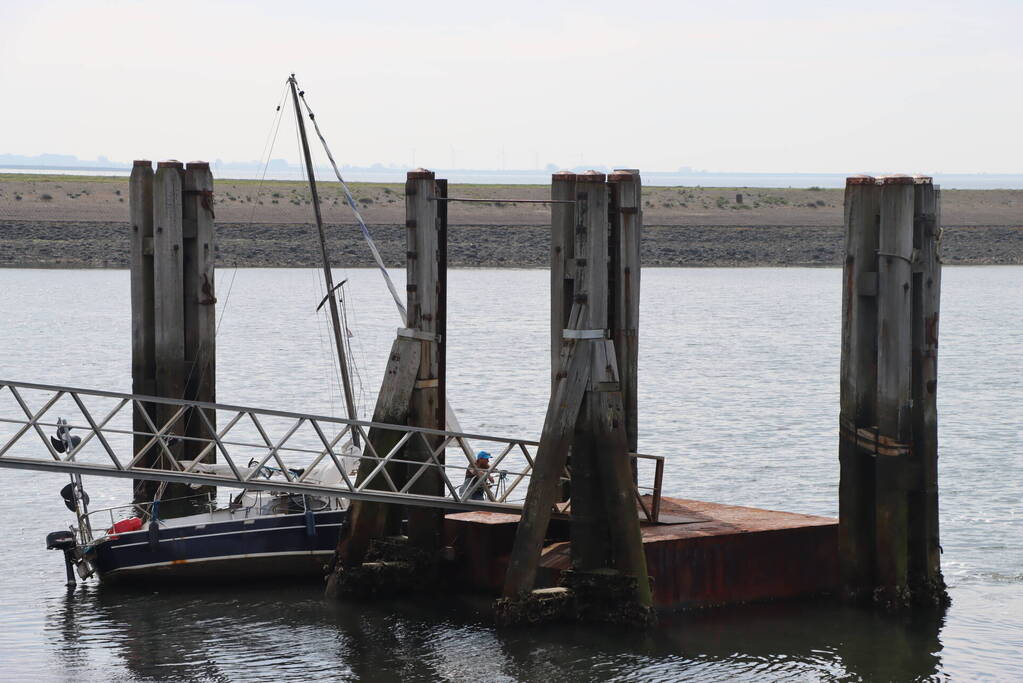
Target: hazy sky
[[786, 85]]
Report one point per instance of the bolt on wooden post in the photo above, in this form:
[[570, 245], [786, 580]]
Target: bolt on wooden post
[[888, 448], [173, 317]]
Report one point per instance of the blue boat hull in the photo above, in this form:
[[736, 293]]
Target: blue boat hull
[[259, 547]]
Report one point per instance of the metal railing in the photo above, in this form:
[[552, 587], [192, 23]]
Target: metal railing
[[308, 455]]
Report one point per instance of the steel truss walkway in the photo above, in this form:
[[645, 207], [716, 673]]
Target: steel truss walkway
[[252, 442]]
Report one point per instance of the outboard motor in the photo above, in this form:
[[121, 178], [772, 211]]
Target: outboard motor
[[64, 540]]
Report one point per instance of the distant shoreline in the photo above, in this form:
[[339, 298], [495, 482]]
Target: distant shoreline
[[81, 222], [231, 172]]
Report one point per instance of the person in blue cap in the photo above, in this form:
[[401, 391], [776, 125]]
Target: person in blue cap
[[478, 470]]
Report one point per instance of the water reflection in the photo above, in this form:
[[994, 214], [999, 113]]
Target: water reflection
[[232, 634]]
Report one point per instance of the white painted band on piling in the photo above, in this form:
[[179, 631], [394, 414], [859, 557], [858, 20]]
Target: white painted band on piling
[[584, 334], [417, 334]]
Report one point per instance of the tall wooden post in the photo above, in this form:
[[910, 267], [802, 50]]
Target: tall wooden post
[[627, 227], [200, 318], [143, 362], [368, 520], [858, 382], [562, 264], [925, 548], [616, 532], [551, 454], [587, 414], [888, 531], [173, 315], [589, 524], [894, 377], [412, 392], [169, 317], [425, 305]]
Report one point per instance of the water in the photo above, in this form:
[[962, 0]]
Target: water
[[739, 389]]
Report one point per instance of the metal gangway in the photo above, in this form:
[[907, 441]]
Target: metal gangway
[[254, 441]]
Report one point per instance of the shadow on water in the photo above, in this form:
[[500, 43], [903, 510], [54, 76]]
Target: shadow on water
[[235, 634]]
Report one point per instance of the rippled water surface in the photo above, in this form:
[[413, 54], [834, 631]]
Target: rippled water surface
[[739, 389]]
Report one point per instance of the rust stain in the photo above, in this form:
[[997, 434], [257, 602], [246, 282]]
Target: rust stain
[[206, 199], [931, 325], [849, 289], [207, 298]]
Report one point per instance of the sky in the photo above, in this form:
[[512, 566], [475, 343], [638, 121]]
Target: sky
[[782, 86]]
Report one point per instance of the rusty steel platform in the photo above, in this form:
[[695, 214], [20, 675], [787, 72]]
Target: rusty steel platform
[[699, 554]]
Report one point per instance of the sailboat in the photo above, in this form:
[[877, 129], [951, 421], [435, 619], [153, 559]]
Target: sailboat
[[259, 533]]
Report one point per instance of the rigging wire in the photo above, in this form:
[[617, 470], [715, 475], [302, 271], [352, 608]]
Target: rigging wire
[[348, 310], [348, 341], [271, 139], [355, 210], [268, 146]]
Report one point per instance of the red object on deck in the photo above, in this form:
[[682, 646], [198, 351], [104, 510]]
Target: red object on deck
[[125, 525]]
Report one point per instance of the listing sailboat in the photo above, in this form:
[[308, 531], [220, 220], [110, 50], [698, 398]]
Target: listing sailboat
[[259, 533]]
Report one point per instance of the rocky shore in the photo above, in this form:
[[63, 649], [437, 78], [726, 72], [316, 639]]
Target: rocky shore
[[80, 244], [81, 222]]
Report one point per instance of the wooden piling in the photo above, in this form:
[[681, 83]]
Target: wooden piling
[[589, 523], [173, 314], [200, 320], [627, 196], [858, 382], [925, 550], [616, 475], [368, 520], [562, 263], [563, 191], [168, 302], [894, 379], [143, 364], [425, 306], [613, 529], [549, 462], [587, 412], [888, 530]]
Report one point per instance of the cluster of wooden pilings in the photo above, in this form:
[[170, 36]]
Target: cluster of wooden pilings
[[591, 421], [173, 312], [888, 532], [591, 418]]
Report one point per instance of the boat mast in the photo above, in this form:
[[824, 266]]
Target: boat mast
[[334, 317]]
